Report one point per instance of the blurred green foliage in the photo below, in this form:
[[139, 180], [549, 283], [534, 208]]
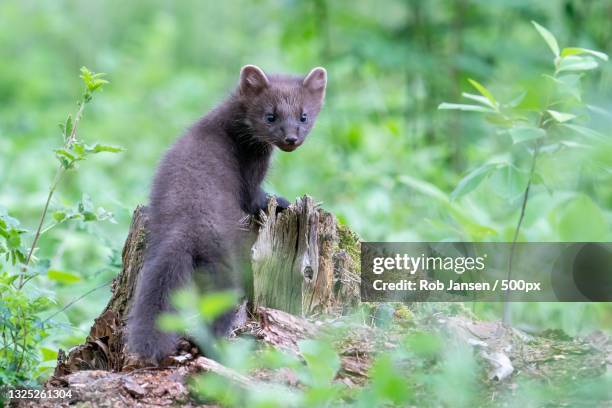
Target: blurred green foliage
[[22, 329], [382, 157], [413, 363]]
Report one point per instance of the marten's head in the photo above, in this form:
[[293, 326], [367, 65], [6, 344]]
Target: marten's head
[[281, 109]]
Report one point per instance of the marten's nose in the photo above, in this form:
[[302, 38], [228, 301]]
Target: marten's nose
[[291, 140]]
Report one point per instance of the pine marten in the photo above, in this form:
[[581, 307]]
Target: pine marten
[[207, 182]]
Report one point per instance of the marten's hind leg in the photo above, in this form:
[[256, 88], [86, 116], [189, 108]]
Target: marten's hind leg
[[222, 271], [166, 271]]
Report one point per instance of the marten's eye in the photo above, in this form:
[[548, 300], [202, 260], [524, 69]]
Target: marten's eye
[[270, 118], [303, 117]]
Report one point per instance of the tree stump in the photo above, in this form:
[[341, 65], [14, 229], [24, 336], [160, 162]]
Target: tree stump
[[303, 263]]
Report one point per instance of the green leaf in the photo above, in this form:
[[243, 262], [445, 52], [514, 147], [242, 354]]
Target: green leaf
[[103, 215], [13, 240], [63, 276], [573, 145], [579, 51], [66, 158], [48, 354], [548, 37], [484, 92], [239, 354], [388, 383], [464, 107], [424, 344], [59, 216], [272, 358], [585, 131], [423, 187], [478, 98], [321, 359], [472, 180], [169, 322], [85, 204], [68, 127], [86, 209], [98, 148], [89, 216], [221, 390], [65, 153], [509, 182], [568, 84], [539, 180], [599, 110], [561, 116], [92, 81], [79, 149], [517, 100], [97, 83], [185, 298], [581, 219], [574, 63], [7, 279], [525, 133], [550, 148], [85, 73], [213, 305], [8, 222]]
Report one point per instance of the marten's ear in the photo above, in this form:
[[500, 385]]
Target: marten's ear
[[316, 80], [252, 79]]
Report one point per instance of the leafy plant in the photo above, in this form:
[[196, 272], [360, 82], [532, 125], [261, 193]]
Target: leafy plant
[[420, 370], [554, 126], [73, 150], [22, 328]]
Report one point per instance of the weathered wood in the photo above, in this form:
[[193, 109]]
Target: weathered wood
[[302, 263]]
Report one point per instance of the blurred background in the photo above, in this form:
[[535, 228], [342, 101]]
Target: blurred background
[[382, 157]]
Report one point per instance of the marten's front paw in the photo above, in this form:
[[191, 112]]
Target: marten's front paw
[[281, 204]]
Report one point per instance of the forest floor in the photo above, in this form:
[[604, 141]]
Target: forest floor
[[509, 355], [509, 363]]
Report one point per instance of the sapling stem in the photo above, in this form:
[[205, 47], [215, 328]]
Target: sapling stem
[[506, 313], [58, 177]]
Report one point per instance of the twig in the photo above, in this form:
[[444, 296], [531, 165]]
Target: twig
[[25, 341], [72, 302], [58, 177]]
